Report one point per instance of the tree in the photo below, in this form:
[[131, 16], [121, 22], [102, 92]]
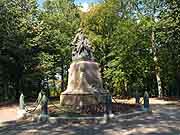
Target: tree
[[152, 9], [168, 35], [60, 20], [99, 24], [18, 53]]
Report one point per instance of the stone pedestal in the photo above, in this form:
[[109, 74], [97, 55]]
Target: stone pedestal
[[84, 85]]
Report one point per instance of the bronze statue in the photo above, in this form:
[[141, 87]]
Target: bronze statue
[[82, 49], [85, 85]]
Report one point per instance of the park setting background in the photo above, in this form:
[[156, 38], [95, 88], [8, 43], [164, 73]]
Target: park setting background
[[136, 43]]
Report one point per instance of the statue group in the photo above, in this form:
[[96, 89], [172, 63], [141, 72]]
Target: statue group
[[84, 79], [82, 49]]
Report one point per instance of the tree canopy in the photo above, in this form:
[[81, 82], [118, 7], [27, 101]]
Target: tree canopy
[[136, 42]]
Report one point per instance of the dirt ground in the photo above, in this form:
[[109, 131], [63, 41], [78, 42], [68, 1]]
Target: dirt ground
[[8, 113], [165, 120]]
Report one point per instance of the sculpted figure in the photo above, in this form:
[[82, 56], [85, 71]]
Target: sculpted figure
[[85, 85], [82, 49]]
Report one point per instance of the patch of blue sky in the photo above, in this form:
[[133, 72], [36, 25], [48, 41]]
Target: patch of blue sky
[[40, 2], [86, 1]]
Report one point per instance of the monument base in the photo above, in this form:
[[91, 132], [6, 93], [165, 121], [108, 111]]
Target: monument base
[[81, 99], [84, 85]]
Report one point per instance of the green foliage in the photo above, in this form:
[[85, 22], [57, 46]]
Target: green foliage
[[19, 29], [123, 46], [35, 42], [60, 21], [169, 38]]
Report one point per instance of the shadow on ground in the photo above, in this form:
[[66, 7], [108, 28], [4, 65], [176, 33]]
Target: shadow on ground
[[165, 120]]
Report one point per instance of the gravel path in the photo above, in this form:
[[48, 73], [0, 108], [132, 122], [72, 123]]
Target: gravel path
[[165, 120]]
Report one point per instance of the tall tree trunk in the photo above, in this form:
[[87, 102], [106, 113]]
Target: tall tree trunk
[[17, 90], [62, 74], [157, 68], [178, 83], [67, 74], [125, 88], [48, 89], [54, 85], [5, 91]]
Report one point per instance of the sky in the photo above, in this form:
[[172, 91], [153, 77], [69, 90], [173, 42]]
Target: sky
[[84, 3]]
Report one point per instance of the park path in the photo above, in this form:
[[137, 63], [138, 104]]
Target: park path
[[165, 120], [8, 113]]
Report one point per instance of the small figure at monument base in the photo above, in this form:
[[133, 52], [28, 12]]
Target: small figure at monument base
[[21, 113], [43, 117]]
